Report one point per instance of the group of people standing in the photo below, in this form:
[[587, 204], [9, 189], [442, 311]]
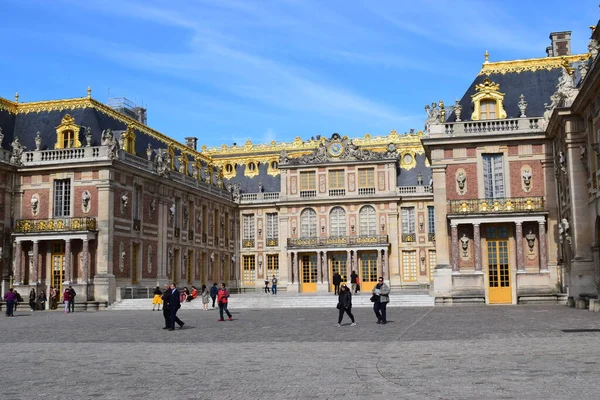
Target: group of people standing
[[273, 282], [38, 301], [171, 300], [380, 296]]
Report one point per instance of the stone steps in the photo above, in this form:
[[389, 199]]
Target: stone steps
[[249, 301]]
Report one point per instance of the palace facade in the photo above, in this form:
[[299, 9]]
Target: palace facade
[[495, 202]]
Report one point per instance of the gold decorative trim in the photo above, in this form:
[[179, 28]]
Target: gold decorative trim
[[129, 139], [408, 160], [251, 173], [85, 102], [532, 64], [488, 90]]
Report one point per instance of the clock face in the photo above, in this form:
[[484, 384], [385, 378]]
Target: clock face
[[336, 149], [407, 159]]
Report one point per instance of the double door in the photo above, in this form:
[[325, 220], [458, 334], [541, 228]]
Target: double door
[[337, 263], [308, 273], [57, 275]]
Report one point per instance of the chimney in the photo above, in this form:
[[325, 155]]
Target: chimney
[[191, 142], [560, 44]]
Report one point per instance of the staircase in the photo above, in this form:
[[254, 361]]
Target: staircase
[[286, 300]]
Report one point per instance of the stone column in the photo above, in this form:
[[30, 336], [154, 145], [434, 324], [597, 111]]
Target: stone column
[[67, 279], [543, 247], [17, 269], [325, 268], [35, 277], [385, 265], [454, 249], [520, 255], [85, 261], [477, 246], [348, 265], [379, 261], [319, 270]]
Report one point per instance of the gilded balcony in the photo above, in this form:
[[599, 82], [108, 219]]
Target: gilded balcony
[[337, 241], [55, 225], [272, 242], [247, 243], [502, 205]]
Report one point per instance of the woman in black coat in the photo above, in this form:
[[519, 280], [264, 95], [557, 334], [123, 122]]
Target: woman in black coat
[[345, 304]]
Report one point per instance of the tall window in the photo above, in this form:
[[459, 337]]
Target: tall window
[[409, 266], [487, 109], [137, 202], [248, 222], [336, 179], [431, 222], [493, 176], [337, 222], [272, 228], [273, 265], [135, 249], [249, 268], [368, 221], [308, 223], [408, 224], [62, 198], [366, 178], [308, 181], [68, 139]]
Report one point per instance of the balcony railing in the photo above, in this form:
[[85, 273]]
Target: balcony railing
[[409, 237], [337, 241], [431, 236], [414, 190], [247, 243], [55, 225], [366, 191], [259, 197], [337, 192], [272, 242], [308, 193], [503, 205], [515, 125]]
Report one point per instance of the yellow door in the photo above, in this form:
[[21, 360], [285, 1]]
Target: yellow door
[[58, 268], [368, 271], [308, 272], [337, 263], [498, 272]]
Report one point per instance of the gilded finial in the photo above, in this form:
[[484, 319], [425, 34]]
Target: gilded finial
[[565, 64], [89, 92], [16, 97], [486, 55]]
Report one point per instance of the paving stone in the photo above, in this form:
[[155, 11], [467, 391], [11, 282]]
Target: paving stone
[[422, 353]]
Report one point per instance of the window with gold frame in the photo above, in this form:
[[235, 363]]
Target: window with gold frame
[[67, 133], [336, 179], [273, 265], [249, 269], [366, 178], [409, 266], [308, 180]]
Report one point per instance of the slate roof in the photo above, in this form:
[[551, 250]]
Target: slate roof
[[537, 87]]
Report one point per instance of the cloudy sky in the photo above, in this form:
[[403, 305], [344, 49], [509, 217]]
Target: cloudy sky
[[230, 70]]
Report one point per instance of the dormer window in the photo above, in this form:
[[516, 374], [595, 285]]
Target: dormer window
[[67, 133], [488, 101], [129, 140]]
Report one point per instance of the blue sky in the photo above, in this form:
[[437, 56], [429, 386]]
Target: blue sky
[[230, 70]]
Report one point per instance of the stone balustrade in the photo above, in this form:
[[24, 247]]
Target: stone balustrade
[[494, 126]]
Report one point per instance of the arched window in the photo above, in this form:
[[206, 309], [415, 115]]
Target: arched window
[[337, 222], [368, 221], [308, 223]]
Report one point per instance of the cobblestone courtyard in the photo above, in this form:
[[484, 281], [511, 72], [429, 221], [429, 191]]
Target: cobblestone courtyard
[[510, 352]]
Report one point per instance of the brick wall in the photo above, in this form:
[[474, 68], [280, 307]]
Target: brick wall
[[471, 183]]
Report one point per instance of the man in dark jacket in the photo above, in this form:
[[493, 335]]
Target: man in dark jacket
[[214, 290], [72, 302], [337, 280], [174, 306], [166, 310], [353, 278]]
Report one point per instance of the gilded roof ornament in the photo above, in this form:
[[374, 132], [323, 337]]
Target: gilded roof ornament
[[487, 85], [532, 64], [16, 97], [89, 92], [486, 57]]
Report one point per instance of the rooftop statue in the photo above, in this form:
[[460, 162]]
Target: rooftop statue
[[17, 152]]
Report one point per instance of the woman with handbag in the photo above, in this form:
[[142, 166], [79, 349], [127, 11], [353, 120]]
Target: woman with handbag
[[345, 305]]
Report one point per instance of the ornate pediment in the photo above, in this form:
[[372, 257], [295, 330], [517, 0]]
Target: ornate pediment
[[338, 149]]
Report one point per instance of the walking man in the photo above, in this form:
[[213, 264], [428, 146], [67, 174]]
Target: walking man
[[353, 278], [166, 310], [223, 299], [174, 306], [274, 285], [337, 280], [214, 290], [381, 291]]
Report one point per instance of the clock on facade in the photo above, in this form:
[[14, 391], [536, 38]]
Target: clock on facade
[[335, 149]]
